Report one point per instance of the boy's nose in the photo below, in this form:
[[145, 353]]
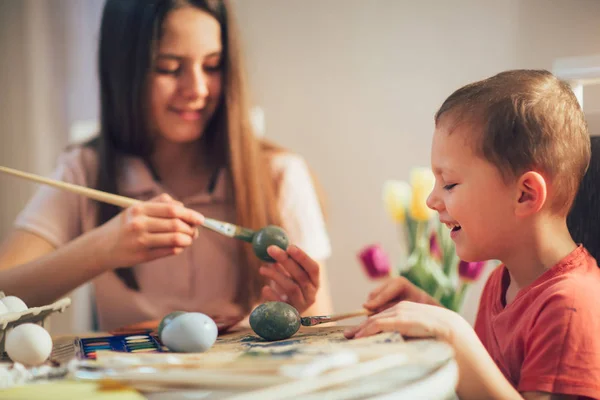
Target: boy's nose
[[433, 201]]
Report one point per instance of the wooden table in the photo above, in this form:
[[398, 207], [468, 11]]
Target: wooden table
[[242, 366]]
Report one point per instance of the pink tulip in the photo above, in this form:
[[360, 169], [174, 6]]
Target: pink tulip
[[375, 261], [470, 271], [434, 247]]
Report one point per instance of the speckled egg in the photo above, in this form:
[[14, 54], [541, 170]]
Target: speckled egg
[[190, 333], [269, 236], [275, 320], [28, 344], [14, 304]]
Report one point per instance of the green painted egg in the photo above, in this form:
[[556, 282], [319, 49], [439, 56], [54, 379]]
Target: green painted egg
[[269, 236], [167, 319], [275, 320]]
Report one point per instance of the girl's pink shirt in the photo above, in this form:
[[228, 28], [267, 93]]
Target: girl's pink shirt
[[204, 276]]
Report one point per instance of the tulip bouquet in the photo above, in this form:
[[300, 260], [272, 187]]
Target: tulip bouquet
[[430, 261]]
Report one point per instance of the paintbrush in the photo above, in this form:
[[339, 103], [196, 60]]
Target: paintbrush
[[322, 319], [224, 228]]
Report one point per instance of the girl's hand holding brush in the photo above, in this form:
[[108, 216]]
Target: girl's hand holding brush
[[147, 231]]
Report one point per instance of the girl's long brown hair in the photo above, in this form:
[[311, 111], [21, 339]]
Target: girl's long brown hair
[[129, 31]]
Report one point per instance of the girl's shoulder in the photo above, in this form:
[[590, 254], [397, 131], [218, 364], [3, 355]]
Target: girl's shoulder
[[80, 160], [281, 160], [288, 163]]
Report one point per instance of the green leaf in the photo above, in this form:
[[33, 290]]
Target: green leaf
[[411, 227], [438, 275]]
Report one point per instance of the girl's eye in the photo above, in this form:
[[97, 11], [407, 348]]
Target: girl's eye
[[212, 68], [167, 71], [449, 187]]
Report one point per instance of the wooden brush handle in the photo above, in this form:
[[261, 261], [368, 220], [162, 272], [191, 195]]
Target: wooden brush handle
[[114, 199], [322, 319], [124, 202], [339, 317]]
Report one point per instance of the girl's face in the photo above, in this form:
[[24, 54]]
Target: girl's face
[[186, 83]]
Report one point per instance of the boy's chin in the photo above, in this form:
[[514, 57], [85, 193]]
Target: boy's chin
[[470, 255]]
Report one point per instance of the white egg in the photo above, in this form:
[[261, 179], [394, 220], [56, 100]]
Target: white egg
[[3, 308], [190, 333], [28, 344], [14, 304]]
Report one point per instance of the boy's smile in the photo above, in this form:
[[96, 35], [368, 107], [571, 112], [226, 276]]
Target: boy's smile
[[455, 229]]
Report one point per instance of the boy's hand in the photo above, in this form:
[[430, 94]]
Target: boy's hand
[[412, 320], [295, 276], [396, 290]]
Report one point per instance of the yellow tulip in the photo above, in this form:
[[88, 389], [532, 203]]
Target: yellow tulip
[[421, 182], [396, 196]]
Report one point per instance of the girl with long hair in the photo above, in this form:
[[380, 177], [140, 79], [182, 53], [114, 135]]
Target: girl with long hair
[[174, 132]]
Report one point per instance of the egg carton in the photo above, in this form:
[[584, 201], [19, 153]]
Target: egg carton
[[35, 315]]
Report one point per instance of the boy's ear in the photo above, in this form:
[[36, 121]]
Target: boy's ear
[[532, 193]]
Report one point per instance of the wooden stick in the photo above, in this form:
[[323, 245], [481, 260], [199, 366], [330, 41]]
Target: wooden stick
[[316, 320], [223, 228], [114, 199]]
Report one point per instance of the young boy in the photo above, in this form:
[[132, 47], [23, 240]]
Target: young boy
[[508, 154]]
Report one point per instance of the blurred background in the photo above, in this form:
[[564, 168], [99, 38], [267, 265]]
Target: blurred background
[[351, 85]]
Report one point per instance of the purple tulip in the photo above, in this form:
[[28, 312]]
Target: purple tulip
[[375, 261], [470, 271], [434, 247]]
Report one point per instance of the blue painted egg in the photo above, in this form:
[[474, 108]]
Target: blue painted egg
[[191, 332]]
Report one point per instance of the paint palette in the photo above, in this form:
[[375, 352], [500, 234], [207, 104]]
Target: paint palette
[[124, 343]]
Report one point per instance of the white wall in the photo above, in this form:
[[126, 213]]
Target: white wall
[[32, 113], [47, 81], [351, 85], [591, 103]]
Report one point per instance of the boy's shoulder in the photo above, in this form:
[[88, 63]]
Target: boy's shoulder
[[572, 283], [578, 269], [557, 311], [575, 279]]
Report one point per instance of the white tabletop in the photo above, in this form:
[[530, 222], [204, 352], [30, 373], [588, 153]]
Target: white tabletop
[[428, 372]]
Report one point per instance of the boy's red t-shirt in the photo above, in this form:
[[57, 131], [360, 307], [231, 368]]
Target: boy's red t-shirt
[[548, 338]]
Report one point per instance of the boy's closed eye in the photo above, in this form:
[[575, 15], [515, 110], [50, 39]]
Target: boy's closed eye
[[450, 186]]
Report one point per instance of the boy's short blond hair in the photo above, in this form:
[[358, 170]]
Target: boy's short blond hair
[[530, 120]]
